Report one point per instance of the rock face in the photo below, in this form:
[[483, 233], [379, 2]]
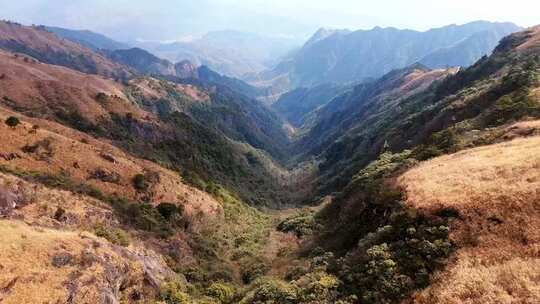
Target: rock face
[[186, 69], [8, 202]]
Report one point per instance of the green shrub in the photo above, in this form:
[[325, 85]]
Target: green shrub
[[102, 97], [253, 271], [169, 211], [222, 292], [174, 293], [397, 258], [270, 290], [116, 236], [12, 121], [301, 224], [139, 182], [141, 216], [318, 287], [193, 179], [509, 108]]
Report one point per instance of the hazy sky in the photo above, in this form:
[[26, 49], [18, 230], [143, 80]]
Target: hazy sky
[[173, 19]]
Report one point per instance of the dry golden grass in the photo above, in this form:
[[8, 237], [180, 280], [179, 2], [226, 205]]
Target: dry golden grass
[[496, 190], [41, 204], [533, 42], [29, 276], [42, 88], [79, 160], [487, 176], [420, 80], [42, 41], [152, 89]]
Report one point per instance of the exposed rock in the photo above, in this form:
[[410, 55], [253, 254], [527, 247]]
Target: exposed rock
[[60, 215], [62, 259], [9, 156], [107, 157], [106, 176], [155, 269], [109, 298], [8, 202]]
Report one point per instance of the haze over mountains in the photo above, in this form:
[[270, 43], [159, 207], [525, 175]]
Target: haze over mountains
[[232, 53], [343, 56], [365, 167]]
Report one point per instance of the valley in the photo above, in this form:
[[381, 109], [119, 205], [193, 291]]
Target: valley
[[127, 178]]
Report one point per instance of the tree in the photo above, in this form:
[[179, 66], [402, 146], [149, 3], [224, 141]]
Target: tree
[[12, 121], [139, 182]]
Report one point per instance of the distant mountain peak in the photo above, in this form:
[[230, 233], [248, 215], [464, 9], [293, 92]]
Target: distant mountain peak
[[186, 69], [342, 56], [87, 38], [324, 33]]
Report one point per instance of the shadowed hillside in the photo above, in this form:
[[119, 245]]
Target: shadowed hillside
[[47, 47]]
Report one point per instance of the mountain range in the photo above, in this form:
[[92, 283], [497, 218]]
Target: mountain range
[[127, 178], [231, 53], [343, 56]]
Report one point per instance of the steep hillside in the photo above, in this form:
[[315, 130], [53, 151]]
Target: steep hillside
[[439, 203], [46, 47], [190, 141], [76, 238], [297, 105], [344, 56], [492, 194], [347, 133], [217, 106], [355, 127], [230, 53], [42, 147], [87, 38], [141, 61]]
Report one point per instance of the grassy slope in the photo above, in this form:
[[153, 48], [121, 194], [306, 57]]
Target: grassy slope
[[353, 129], [101, 108], [47, 47], [493, 190], [367, 223]]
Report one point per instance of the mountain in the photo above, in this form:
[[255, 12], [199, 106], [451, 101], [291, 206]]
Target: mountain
[[230, 53], [88, 39], [344, 128], [47, 47], [345, 56], [430, 171], [296, 105], [419, 186], [142, 61], [186, 69], [146, 63], [196, 129]]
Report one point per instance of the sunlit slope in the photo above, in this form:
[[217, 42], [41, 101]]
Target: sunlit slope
[[493, 194]]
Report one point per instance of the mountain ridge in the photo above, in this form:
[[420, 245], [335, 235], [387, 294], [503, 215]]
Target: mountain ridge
[[345, 56], [416, 186]]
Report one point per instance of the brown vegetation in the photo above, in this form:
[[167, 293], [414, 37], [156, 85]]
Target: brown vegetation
[[49, 48], [492, 192], [42, 265], [68, 155]]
